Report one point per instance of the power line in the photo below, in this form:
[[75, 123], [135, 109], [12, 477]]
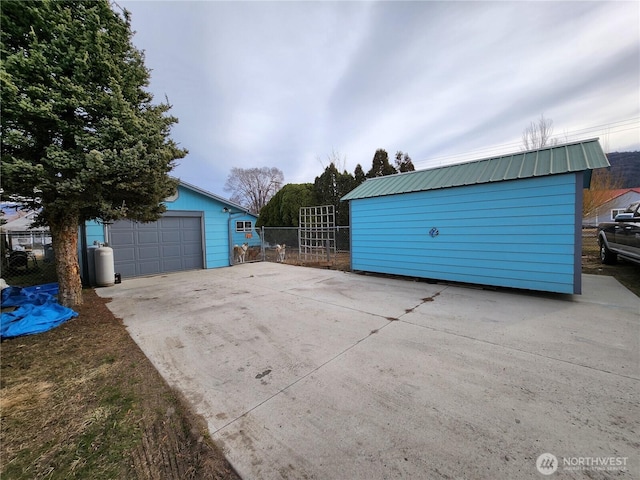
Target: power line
[[632, 123], [608, 125]]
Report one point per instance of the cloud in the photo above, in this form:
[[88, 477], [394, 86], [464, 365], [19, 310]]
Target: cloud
[[286, 83]]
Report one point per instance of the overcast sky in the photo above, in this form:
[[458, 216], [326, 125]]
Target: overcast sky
[[285, 84]]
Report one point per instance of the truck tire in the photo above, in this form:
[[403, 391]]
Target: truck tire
[[607, 256]]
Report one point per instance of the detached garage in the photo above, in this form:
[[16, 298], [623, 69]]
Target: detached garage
[[510, 221], [197, 231], [171, 244]]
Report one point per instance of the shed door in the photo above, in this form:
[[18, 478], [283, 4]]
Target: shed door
[[171, 244]]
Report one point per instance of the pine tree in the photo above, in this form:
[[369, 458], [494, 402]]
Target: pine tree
[[80, 137], [380, 165], [330, 187], [359, 175], [403, 162]]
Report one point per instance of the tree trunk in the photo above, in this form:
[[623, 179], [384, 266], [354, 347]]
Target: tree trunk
[[64, 236]]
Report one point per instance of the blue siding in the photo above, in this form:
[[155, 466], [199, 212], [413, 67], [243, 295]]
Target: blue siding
[[238, 238], [519, 233], [218, 226], [95, 232]]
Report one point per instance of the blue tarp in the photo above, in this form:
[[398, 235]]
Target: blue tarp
[[38, 311], [16, 296]]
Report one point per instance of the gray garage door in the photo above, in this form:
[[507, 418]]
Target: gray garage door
[[171, 244]]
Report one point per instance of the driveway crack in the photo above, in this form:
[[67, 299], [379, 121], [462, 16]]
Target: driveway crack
[[495, 344], [310, 372]]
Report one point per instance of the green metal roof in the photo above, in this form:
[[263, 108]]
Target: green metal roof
[[571, 157]]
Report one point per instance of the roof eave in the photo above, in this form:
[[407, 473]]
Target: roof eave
[[213, 196]]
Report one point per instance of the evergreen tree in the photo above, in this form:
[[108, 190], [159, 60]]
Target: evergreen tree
[[80, 137], [403, 162], [283, 208], [359, 175], [330, 187], [380, 165]]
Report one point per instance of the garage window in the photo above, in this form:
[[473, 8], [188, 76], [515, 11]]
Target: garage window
[[243, 227]]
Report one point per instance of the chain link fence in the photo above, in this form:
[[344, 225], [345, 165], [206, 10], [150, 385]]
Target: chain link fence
[[27, 258], [289, 237]]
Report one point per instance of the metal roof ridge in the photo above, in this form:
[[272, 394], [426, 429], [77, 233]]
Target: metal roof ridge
[[496, 163], [484, 169], [568, 144], [512, 160], [524, 152], [485, 159], [584, 153], [516, 165], [567, 158]]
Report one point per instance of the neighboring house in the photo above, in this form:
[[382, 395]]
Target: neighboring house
[[197, 231], [19, 234], [21, 221], [510, 221], [613, 202]]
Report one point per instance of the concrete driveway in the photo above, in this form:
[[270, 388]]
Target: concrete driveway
[[306, 373]]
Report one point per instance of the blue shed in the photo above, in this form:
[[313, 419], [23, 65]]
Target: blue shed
[[509, 221], [197, 231]]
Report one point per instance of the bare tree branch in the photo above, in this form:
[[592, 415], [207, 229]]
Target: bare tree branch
[[603, 182], [538, 134], [253, 187]]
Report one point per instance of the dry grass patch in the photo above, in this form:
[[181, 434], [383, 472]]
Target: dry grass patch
[[82, 401]]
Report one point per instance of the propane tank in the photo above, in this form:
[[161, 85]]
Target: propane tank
[[105, 269]]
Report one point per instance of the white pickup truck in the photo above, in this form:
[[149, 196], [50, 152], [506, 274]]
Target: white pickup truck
[[621, 237]]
